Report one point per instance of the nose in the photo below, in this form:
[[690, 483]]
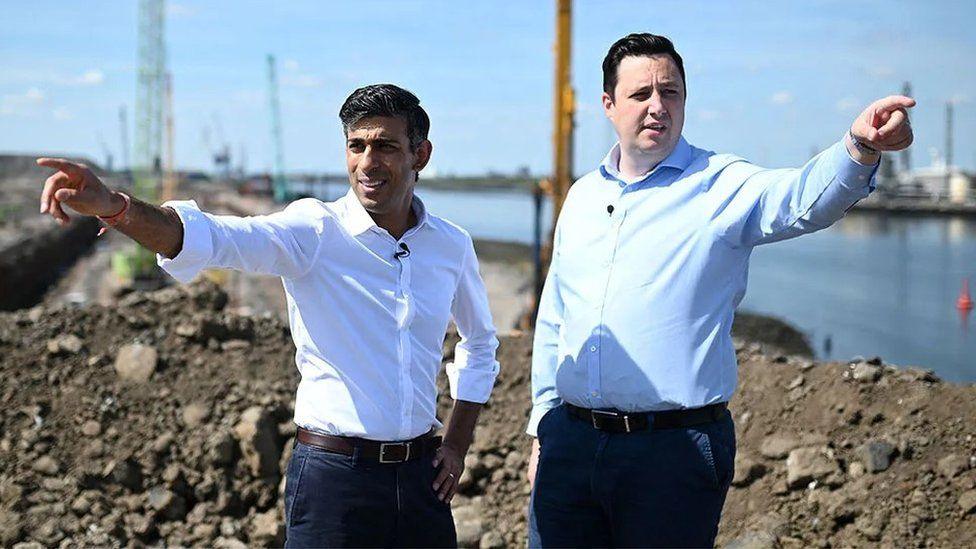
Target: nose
[[368, 160], [655, 106]]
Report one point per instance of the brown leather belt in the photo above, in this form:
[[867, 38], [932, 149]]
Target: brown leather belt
[[626, 422], [375, 450]]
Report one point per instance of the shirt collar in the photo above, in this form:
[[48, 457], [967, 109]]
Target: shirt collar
[[357, 220], [679, 159]]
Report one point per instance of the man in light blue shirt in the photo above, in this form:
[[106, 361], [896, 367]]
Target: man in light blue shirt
[[633, 359]]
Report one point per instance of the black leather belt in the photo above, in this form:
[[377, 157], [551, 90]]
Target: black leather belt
[[383, 452], [615, 421]]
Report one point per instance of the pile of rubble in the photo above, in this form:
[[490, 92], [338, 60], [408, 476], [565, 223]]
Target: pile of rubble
[[166, 420]]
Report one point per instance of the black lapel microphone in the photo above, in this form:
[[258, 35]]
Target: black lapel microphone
[[404, 251]]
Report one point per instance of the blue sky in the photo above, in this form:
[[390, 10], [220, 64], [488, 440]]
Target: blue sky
[[768, 81]]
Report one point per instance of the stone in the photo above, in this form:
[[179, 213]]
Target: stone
[[469, 524], [778, 445], [65, 344], [492, 540], [754, 540], [46, 465], [797, 382], [195, 414], [952, 465], [220, 449], [162, 443], [257, 434], [136, 362], [266, 530], [11, 528], [166, 503], [143, 526], [747, 470], [225, 542], [125, 472], [876, 455], [91, 428], [967, 501], [807, 464], [866, 372]]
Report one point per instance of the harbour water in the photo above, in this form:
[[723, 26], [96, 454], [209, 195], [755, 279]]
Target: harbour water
[[871, 285]]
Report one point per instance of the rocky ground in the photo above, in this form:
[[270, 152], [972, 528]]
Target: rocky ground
[[164, 419]]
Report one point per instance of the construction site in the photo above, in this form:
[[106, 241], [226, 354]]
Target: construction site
[[140, 412]]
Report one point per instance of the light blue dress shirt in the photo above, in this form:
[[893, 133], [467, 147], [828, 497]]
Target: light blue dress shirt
[[636, 313]]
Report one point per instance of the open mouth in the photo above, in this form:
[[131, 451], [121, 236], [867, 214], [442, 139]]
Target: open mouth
[[372, 183], [656, 127]]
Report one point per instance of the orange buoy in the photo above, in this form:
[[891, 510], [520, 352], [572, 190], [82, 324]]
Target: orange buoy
[[964, 302]]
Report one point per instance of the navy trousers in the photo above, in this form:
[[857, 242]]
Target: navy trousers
[[332, 500], [652, 488]]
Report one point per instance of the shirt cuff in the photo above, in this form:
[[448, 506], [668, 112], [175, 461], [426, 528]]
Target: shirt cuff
[[539, 410], [471, 384], [197, 245], [852, 173]]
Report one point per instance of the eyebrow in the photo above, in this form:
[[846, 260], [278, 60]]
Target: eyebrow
[[375, 141]]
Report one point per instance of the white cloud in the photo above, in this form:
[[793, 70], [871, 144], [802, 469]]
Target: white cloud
[[91, 77], [959, 98], [22, 104], [291, 65], [782, 98], [62, 113], [847, 104]]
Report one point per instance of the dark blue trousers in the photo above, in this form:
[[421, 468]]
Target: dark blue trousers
[[332, 500], [652, 488]]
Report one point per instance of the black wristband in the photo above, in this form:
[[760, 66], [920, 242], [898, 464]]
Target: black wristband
[[861, 146]]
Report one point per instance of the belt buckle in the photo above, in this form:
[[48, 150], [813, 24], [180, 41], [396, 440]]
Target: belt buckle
[[594, 414], [385, 445]]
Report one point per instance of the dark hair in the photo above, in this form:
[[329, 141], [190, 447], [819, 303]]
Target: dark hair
[[386, 100], [641, 44]]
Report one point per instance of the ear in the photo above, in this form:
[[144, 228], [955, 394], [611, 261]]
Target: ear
[[609, 109], [423, 153]]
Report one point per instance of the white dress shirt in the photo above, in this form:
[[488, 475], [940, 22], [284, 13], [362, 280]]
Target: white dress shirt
[[368, 312]]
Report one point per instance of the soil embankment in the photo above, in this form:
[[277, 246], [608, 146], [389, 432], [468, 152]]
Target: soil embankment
[[166, 419]]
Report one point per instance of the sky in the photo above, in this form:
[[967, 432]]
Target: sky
[[771, 82]]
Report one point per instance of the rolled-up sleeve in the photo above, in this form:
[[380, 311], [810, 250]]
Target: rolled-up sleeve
[[283, 243], [765, 206], [473, 372]]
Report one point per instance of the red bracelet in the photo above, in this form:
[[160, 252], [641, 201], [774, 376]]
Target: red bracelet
[[112, 220]]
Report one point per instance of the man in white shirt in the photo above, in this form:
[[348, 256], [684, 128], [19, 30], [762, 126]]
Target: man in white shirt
[[372, 281]]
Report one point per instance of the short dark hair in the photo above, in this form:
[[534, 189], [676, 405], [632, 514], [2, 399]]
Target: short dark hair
[[640, 44], [386, 100]]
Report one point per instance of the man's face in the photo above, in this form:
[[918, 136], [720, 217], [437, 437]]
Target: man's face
[[382, 165], [648, 105]]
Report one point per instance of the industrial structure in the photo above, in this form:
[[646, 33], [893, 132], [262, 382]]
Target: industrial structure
[[279, 183]]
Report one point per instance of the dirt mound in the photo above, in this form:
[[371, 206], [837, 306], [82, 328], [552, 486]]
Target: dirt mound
[[164, 419]]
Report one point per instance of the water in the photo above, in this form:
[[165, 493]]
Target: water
[[872, 284]]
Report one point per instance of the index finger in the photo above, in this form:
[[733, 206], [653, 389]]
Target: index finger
[[66, 166], [897, 118], [894, 102]]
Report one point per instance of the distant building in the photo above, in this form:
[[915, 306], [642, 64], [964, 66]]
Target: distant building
[[939, 183]]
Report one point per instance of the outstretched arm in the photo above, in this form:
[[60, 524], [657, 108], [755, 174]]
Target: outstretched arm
[[759, 206], [158, 229]]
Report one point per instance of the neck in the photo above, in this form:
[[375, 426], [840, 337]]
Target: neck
[[635, 163], [396, 223]]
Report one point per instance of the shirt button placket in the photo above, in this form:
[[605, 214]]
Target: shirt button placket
[[404, 315]]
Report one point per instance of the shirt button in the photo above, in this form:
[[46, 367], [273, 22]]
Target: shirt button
[[594, 393], [592, 348]]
